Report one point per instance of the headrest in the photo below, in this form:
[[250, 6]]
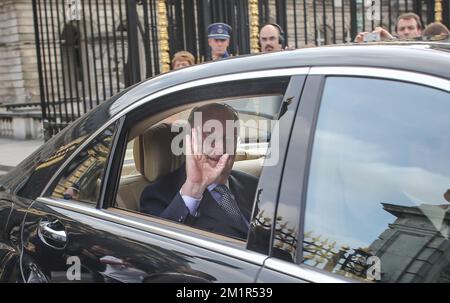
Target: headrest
[[152, 152]]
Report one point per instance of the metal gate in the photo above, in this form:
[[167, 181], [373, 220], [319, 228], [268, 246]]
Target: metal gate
[[88, 50], [189, 19]]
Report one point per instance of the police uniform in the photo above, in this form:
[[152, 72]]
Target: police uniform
[[219, 31]]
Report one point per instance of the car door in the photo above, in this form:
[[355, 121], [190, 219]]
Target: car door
[[75, 232], [20, 187], [51, 235], [367, 174]]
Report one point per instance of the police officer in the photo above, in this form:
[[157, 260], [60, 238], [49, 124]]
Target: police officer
[[218, 40]]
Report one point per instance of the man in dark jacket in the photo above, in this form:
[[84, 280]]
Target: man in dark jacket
[[205, 193]]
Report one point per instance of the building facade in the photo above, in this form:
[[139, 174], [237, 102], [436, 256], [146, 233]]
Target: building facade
[[19, 80]]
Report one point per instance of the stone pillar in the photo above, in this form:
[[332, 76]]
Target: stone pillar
[[21, 127]]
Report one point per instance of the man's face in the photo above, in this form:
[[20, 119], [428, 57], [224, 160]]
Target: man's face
[[269, 38], [408, 28], [180, 63], [219, 137], [218, 46]]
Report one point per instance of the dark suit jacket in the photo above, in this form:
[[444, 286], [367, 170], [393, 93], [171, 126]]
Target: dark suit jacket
[[162, 198]]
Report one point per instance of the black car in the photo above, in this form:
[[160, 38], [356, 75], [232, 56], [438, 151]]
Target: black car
[[351, 148]]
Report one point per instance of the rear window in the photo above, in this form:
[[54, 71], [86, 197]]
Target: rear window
[[33, 174]]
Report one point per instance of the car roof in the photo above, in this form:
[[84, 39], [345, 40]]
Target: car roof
[[422, 57]]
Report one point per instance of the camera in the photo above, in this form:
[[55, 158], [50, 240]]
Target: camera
[[372, 37]]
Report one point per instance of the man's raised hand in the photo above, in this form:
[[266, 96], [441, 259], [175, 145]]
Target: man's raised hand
[[200, 173]]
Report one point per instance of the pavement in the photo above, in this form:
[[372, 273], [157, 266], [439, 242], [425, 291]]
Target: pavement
[[13, 151]]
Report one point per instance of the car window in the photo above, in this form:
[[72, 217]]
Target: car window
[[42, 165], [147, 156], [256, 115], [152, 173], [377, 206], [81, 178]]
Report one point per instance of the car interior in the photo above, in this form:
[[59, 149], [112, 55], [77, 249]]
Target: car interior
[[149, 155]]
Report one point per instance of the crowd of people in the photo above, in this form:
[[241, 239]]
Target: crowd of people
[[408, 26], [272, 37]]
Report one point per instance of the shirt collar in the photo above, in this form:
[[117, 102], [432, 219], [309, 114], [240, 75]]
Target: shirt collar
[[213, 185]]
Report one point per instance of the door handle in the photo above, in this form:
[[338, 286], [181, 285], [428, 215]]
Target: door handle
[[52, 233]]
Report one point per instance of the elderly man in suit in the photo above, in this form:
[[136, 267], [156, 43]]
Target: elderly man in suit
[[206, 193]]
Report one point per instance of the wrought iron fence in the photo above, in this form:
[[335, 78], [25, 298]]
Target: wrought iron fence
[[189, 19], [88, 50]]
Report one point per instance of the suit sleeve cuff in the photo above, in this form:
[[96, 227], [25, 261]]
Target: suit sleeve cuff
[[191, 203]]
